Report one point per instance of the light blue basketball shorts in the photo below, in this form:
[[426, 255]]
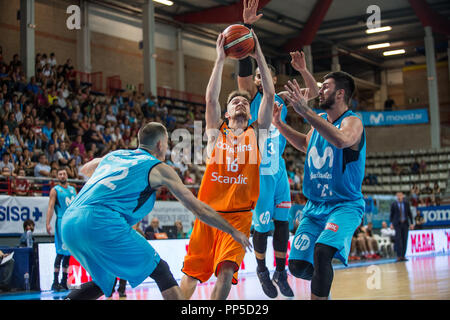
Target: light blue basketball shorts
[[274, 200], [59, 245], [332, 224], [107, 247]]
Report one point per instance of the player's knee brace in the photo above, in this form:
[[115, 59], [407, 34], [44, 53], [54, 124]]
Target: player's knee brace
[[260, 241], [163, 277], [323, 270], [65, 262], [301, 269], [58, 260], [280, 235]]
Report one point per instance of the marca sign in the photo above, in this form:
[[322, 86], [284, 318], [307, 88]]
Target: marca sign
[[436, 216], [431, 241]]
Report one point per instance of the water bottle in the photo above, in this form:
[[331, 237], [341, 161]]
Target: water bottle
[[26, 277], [29, 239]]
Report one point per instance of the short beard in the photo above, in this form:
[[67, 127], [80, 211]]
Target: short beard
[[63, 181], [329, 102]]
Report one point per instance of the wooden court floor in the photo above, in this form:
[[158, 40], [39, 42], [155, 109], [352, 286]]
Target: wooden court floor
[[424, 278]]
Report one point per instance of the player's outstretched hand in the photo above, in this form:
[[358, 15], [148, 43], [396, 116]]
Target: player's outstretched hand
[[249, 14], [243, 240], [219, 47], [297, 97], [298, 61], [276, 119]]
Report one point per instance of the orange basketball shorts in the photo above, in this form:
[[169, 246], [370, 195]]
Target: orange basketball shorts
[[210, 247]]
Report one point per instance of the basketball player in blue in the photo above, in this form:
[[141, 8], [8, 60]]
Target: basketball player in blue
[[60, 198], [335, 150], [97, 227], [274, 202]]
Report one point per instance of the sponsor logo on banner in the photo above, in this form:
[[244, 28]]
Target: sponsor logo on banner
[[431, 241], [15, 210], [376, 119], [434, 216], [422, 242]]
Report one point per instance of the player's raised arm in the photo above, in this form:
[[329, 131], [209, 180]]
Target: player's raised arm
[[245, 75], [163, 175], [298, 62], [213, 111], [268, 99], [297, 139]]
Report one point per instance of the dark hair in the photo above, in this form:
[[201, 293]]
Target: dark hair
[[151, 133], [344, 81], [239, 93], [27, 223]]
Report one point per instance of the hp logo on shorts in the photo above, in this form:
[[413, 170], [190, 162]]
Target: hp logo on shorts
[[302, 242], [264, 218]]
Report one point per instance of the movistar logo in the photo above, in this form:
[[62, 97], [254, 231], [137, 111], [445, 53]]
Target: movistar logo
[[376, 119], [319, 161]]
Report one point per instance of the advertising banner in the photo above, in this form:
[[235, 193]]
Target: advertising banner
[[15, 210], [389, 118], [435, 216], [172, 251], [425, 242]]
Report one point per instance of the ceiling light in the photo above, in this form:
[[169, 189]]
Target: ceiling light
[[378, 45], [381, 29], [390, 53], [166, 2]]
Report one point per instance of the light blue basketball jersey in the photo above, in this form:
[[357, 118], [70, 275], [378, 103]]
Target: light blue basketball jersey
[[120, 183], [276, 142], [332, 174], [64, 196]]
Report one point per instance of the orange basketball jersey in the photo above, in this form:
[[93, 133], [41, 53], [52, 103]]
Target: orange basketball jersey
[[231, 179]]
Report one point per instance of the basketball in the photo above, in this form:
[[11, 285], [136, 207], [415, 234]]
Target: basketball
[[239, 41]]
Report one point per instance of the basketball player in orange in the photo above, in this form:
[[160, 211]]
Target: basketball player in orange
[[230, 184]]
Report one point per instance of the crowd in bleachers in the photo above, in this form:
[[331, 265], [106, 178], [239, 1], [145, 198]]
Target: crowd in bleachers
[[54, 120]]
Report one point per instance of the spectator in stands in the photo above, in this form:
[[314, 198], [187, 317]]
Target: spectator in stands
[[436, 194], [6, 162], [388, 232], [72, 170], [423, 166], [93, 137], [419, 221], [152, 229], [22, 185], [414, 195], [170, 121], [415, 166], [42, 169], [6, 183], [389, 104], [372, 244], [188, 178], [28, 225], [395, 168], [62, 132], [62, 155], [50, 153], [427, 189], [180, 233], [297, 179]]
